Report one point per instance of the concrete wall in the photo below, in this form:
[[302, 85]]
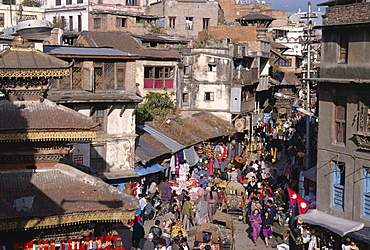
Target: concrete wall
[[357, 66], [348, 153], [182, 9], [12, 20], [140, 64]]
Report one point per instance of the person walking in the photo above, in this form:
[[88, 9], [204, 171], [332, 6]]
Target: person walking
[[255, 223], [138, 233], [211, 201], [148, 244], [187, 212], [267, 224], [156, 231]]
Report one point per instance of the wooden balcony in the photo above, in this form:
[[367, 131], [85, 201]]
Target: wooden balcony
[[246, 77], [247, 106], [362, 141]]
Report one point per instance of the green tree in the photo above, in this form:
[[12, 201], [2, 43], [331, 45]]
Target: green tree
[[156, 106]]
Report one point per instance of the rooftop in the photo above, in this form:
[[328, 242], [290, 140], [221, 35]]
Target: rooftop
[[59, 195]]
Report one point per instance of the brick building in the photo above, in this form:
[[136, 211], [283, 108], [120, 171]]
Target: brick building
[[235, 9]]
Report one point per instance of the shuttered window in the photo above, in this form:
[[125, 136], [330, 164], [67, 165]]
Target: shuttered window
[[338, 188], [366, 193], [340, 119]]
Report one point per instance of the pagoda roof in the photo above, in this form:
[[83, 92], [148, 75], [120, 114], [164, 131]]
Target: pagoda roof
[[21, 59], [256, 17], [35, 120], [57, 196]]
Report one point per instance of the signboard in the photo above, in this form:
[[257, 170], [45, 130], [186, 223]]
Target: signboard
[[78, 159], [266, 117]]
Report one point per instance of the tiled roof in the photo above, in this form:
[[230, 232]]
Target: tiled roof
[[84, 51], [256, 17], [25, 57], [125, 42], [195, 128], [44, 116], [60, 190], [99, 96]]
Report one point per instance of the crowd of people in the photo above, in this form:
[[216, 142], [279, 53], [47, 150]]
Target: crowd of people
[[266, 191]]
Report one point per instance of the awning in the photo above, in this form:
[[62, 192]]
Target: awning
[[361, 235], [311, 174], [149, 169], [335, 224]]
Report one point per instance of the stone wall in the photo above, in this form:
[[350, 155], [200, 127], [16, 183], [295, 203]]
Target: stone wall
[[349, 13]]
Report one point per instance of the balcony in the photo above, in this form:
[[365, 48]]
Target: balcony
[[246, 77], [247, 106]]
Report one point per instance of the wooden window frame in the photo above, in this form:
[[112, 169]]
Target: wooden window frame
[[340, 112], [343, 49]]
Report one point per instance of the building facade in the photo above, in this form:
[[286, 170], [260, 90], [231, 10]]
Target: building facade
[[187, 18], [343, 170]]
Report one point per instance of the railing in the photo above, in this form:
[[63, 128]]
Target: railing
[[247, 106], [246, 76], [366, 205]]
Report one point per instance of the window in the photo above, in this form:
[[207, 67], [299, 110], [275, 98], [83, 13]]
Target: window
[[2, 19], [79, 23], [343, 48], [212, 67], [208, 96], [58, 2], [189, 23], [366, 193], [98, 75], [68, 2], [131, 2], [97, 155], [340, 119], [100, 1], [185, 99], [97, 23], [186, 71], [338, 172], [120, 22], [364, 115], [172, 22], [205, 23], [158, 77], [77, 75], [284, 63], [70, 23], [120, 69], [80, 1]]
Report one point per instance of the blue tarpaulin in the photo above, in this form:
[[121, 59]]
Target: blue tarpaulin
[[149, 169]]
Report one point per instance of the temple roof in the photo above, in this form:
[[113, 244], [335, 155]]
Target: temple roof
[[57, 196], [46, 116], [20, 59], [256, 17]]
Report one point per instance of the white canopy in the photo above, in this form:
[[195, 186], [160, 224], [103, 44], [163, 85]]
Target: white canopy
[[335, 224]]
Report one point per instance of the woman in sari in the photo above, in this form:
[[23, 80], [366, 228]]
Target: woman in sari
[[255, 222]]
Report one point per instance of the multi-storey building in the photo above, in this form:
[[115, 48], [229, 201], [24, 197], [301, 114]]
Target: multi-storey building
[[187, 18], [11, 14], [343, 170]]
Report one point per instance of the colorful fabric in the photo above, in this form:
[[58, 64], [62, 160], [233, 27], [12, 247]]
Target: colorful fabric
[[234, 202], [213, 246]]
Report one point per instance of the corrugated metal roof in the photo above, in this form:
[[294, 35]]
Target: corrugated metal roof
[[168, 142], [84, 51]]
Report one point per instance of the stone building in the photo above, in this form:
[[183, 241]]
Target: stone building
[[187, 18], [343, 141]]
